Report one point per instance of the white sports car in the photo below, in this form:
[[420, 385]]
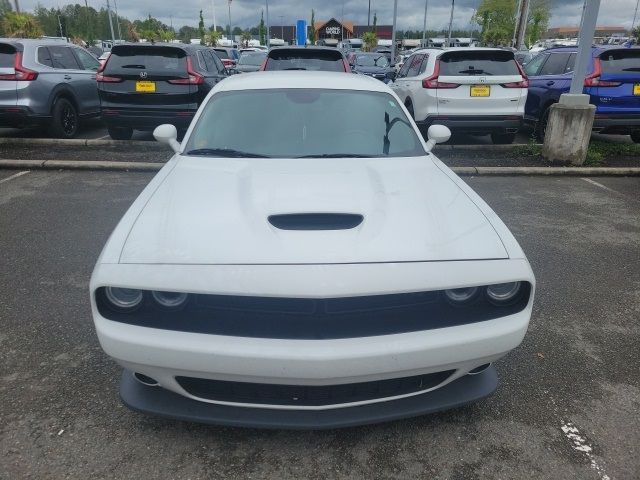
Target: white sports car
[[326, 270]]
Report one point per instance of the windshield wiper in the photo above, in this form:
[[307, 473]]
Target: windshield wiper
[[472, 71], [133, 66], [336, 155], [225, 152], [295, 68]]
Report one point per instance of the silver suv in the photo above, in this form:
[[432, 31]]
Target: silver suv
[[47, 83]]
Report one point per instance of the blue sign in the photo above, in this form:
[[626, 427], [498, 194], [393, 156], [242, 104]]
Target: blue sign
[[301, 32]]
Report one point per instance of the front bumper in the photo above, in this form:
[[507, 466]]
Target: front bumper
[[616, 124], [481, 125], [161, 402]]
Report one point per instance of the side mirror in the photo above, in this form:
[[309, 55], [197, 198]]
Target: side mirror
[[437, 134], [167, 134]]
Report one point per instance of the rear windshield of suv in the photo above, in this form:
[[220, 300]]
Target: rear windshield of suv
[[7, 54], [620, 61], [222, 54], [305, 59], [488, 62], [131, 60]]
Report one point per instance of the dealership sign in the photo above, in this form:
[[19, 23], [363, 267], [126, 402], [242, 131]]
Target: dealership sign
[[332, 30]]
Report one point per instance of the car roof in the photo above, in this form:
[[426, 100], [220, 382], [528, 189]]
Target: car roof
[[303, 47], [20, 42], [301, 79], [181, 46]]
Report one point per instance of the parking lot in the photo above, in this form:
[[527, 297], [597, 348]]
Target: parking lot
[[567, 405]]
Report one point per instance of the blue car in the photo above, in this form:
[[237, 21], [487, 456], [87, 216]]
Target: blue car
[[613, 82]]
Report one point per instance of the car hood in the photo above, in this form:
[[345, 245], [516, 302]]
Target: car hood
[[216, 211]]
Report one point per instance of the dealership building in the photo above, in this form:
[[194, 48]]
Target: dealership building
[[331, 32]]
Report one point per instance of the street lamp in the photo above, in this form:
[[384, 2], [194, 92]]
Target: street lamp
[[453, 2], [281, 26], [424, 26], [268, 27]]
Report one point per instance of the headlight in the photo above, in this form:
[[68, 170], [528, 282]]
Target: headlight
[[503, 293], [170, 299], [123, 298], [461, 295]]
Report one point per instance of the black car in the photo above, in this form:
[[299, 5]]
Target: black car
[[142, 86], [375, 65], [306, 58]]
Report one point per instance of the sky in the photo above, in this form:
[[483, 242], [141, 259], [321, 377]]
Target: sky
[[246, 13]]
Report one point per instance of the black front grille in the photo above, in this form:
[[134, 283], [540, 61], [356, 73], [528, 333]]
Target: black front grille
[[313, 319], [305, 395]]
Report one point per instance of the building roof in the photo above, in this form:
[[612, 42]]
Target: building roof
[[319, 25]]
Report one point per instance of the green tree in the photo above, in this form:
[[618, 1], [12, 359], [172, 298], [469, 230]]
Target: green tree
[[538, 21], [237, 31], [187, 32], [212, 38], [370, 41], [201, 29], [312, 28], [246, 36], [262, 30], [497, 21], [20, 25]]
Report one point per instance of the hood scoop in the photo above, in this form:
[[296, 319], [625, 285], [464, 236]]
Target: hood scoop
[[316, 221]]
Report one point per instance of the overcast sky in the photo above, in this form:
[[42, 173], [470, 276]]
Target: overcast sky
[[246, 13]]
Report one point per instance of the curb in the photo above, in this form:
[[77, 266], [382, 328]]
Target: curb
[[465, 171], [80, 142]]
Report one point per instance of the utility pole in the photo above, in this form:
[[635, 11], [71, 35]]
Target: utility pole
[[268, 27], [213, 10], [522, 23], [515, 27], [113, 37], [342, 24], [424, 25], [453, 2], [115, 3], [635, 15], [369, 15], [587, 31], [281, 26], [393, 32], [230, 29]]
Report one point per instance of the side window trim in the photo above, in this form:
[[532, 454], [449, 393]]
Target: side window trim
[[201, 61]]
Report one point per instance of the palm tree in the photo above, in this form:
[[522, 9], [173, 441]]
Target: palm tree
[[21, 25], [246, 36]]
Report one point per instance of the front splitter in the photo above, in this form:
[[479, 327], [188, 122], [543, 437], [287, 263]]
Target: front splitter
[[161, 402]]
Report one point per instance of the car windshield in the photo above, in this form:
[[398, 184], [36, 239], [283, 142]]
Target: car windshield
[[295, 123], [251, 59], [487, 62], [618, 61], [154, 60], [372, 61], [305, 59]]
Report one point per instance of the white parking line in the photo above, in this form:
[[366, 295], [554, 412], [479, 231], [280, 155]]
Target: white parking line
[[103, 138], [19, 174], [604, 187], [579, 443]]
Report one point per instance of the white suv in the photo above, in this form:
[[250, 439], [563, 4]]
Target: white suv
[[471, 90]]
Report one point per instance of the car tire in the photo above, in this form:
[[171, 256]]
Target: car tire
[[635, 136], [541, 125], [120, 133], [503, 138], [65, 121]]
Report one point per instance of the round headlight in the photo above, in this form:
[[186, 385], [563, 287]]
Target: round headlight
[[123, 298], [461, 295], [169, 299], [502, 293]]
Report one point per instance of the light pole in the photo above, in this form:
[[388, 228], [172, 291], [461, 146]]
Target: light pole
[[213, 11], [369, 14], [424, 25], [393, 32], [453, 2], [113, 37], [635, 15], [268, 27], [230, 30], [342, 24], [281, 26]]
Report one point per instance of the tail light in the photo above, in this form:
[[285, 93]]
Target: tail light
[[524, 83], [21, 73], [193, 77], [593, 79], [432, 81], [102, 78], [347, 67], [263, 67]]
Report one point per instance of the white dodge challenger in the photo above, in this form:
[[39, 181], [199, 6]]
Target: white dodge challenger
[[305, 261]]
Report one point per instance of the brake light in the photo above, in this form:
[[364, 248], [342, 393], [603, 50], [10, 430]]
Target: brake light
[[347, 67], [102, 78], [593, 79], [21, 73], [524, 83], [432, 81], [263, 67], [193, 77]]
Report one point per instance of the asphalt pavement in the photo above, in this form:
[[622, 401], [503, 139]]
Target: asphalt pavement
[[566, 408]]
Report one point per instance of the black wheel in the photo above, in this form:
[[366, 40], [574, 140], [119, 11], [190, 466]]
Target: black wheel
[[503, 138], [120, 133], [635, 136], [65, 121], [541, 126]]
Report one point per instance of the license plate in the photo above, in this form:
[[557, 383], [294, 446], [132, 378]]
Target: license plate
[[636, 89], [480, 90], [145, 87]]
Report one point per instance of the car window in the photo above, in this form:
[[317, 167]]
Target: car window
[[44, 58], [202, 62], [620, 61], [405, 67], [63, 58], [531, 68], [305, 59], [570, 64], [222, 54], [483, 62], [556, 64], [154, 60], [86, 60], [249, 58], [416, 64], [372, 61], [298, 124], [425, 63], [216, 61]]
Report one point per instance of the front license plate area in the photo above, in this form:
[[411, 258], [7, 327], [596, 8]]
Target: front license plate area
[[145, 86], [480, 90], [636, 89]]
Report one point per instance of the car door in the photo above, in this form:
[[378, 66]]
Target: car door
[[72, 75], [89, 89], [550, 80], [410, 70]]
